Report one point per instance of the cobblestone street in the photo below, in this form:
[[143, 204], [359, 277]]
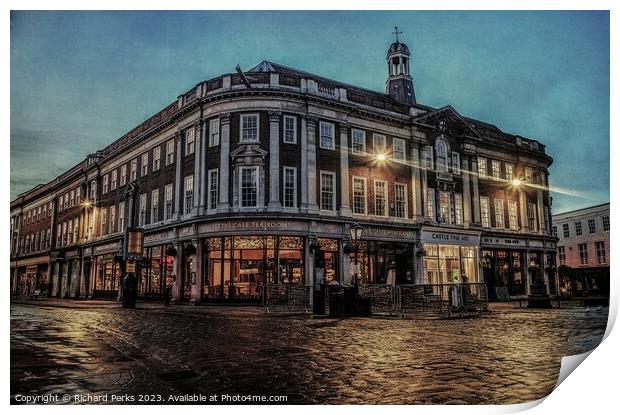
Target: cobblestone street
[[509, 355]]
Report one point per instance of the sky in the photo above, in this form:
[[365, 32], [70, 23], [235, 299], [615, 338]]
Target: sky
[[80, 80]]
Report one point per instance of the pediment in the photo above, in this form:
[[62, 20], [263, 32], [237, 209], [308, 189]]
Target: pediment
[[448, 120], [248, 150]]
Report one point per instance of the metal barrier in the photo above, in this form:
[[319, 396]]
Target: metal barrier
[[290, 298], [441, 299], [383, 297]]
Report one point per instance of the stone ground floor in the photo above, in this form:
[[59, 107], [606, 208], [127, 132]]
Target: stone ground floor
[[508, 355]]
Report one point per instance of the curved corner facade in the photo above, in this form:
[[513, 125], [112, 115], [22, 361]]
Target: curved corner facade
[[253, 179]]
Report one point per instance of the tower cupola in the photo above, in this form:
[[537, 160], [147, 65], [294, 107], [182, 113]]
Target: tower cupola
[[399, 83]]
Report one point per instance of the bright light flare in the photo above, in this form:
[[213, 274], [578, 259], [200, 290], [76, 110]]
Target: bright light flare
[[380, 157], [516, 182]]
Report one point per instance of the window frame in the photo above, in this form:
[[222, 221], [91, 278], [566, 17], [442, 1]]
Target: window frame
[[485, 212], [364, 196], [256, 185], [190, 145], [375, 147], [155, 206], [293, 119], [242, 129], [376, 199], [214, 132], [333, 135], [332, 192], [156, 158], [211, 200], [286, 169], [399, 159], [354, 144]]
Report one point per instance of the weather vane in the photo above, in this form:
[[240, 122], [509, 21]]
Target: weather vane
[[397, 32]]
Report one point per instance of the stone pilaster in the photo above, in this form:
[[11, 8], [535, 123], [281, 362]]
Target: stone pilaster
[[304, 165], [345, 207], [466, 192], [311, 124], [274, 160], [523, 212], [474, 180], [198, 167], [416, 186], [178, 180], [224, 204]]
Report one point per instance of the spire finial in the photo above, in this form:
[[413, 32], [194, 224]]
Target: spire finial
[[396, 32]]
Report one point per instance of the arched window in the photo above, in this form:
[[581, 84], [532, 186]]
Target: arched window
[[442, 156]]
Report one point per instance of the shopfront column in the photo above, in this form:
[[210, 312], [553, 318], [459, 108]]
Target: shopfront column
[[274, 160], [466, 192], [415, 183], [345, 263], [178, 182], [224, 204], [311, 168], [177, 266], [345, 208], [528, 273], [545, 270], [198, 269], [474, 180]]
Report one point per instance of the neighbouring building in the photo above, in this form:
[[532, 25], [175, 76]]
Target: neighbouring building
[[254, 178], [583, 250]]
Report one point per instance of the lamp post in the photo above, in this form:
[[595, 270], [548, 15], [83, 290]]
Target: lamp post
[[355, 232]]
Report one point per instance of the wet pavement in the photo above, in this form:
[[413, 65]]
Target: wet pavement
[[98, 350]]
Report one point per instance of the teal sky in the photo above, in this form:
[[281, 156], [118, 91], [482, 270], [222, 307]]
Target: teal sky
[[79, 80]]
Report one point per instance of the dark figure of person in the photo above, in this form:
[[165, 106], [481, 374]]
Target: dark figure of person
[[468, 299], [167, 295], [130, 290]]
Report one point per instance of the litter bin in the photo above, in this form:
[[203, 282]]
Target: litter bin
[[336, 299], [350, 293], [318, 300]]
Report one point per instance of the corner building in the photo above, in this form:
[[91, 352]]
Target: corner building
[[257, 178]]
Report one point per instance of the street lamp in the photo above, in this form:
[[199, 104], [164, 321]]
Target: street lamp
[[355, 232]]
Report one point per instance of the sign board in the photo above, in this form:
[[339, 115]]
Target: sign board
[[440, 236], [134, 239], [130, 266]]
